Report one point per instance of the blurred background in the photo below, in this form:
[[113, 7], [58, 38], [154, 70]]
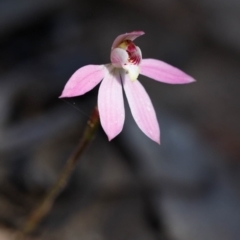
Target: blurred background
[[130, 188]]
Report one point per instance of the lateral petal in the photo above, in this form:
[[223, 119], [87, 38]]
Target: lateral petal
[[141, 108], [110, 104], [163, 72], [84, 80], [126, 36]]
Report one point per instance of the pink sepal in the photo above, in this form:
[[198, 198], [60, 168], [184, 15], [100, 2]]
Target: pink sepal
[[110, 104], [141, 108], [163, 72], [126, 36], [84, 80]]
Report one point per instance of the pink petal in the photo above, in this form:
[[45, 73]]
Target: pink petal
[[141, 108], [110, 104], [163, 72], [119, 57], [126, 36], [84, 80]]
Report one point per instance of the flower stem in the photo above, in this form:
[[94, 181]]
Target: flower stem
[[37, 215]]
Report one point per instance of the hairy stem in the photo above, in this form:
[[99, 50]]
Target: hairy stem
[[37, 215]]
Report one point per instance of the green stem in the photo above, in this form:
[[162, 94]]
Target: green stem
[[37, 215]]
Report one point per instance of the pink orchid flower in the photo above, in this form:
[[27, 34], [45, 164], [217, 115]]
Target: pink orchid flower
[[126, 64]]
